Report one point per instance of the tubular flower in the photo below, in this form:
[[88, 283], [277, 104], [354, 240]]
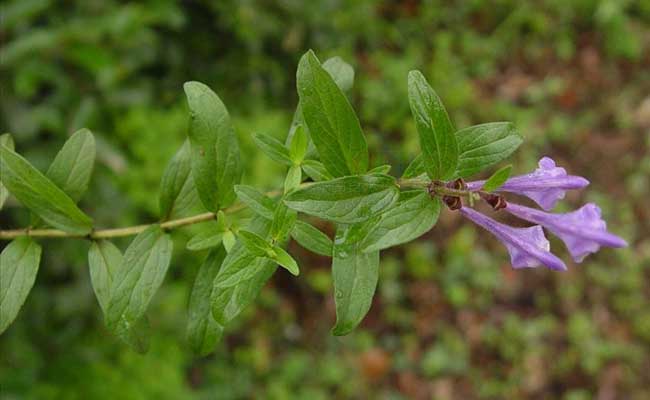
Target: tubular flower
[[528, 247], [546, 186], [583, 231]]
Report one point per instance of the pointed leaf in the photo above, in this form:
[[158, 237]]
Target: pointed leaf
[[293, 178], [257, 201], [284, 219], [437, 139], [203, 332], [355, 276], [38, 193], [497, 179], [312, 239], [482, 146], [73, 165], [215, 151], [285, 260], [414, 215], [330, 119], [273, 148], [382, 169], [255, 244], [18, 268], [415, 168], [299, 144], [316, 171], [104, 259], [139, 276], [345, 200], [177, 190]]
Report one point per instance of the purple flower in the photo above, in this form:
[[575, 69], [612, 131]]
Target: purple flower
[[546, 186], [583, 231], [528, 247]]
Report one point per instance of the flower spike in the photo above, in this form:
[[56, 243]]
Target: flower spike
[[528, 247], [546, 186], [583, 231]]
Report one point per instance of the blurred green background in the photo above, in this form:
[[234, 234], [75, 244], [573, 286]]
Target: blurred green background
[[451, 320]]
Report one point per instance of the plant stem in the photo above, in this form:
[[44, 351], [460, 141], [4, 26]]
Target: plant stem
[[10, 234]]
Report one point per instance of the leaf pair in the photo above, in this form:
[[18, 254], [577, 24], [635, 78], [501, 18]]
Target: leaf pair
[[125, 285], [53, 197], [448, 154]]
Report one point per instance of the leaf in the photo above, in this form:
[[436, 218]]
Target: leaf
[[330, 119], [36, 192], [257, 201], [437, 139], [104, 260], [382, 169], [414, 215], [284, 219], [18, 268], [415, 168], [255, 244], [8, 141], [346, 200], [285, 260], [299, 144], [497, 179], [204, 240], [355, 276], [482, 146], [316, 171], [231, 299], [139, 276], [203, 332], [293, 178], [174, 181], [273, 148], [215, 152], [312, 239], [73, 165]]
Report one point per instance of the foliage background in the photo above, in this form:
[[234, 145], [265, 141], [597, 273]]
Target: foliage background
[[451, 319]]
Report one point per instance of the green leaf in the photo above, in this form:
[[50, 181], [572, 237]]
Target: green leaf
[[215, 153], [18, 268], [36, 192], [299, 144], [316, 170], [73, 165], [228, 240], [330, 119], [285, 260], [203, 332], [414, 215], [273, 148], [8, 141], [256, 245], [482, 146], [437, 139], [355, 276], [174, 183], [312, 239], [497, 179], [284, 219], [205, 240], [139, 276], [345, 200], [231, 298], [341, 72], [257, 201], [293, 178], [382, 169], [104, 260], [415, 168]]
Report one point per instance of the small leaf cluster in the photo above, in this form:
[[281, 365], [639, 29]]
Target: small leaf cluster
[[328, 177]]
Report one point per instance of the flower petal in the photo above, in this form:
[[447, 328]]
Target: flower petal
[[528, 247]]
